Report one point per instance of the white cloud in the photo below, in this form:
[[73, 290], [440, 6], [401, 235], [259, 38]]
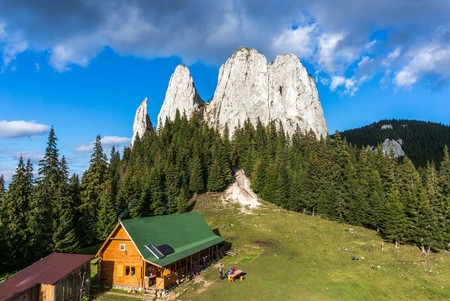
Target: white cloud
[[115, 140], [349, 84], [428, 60], [33, 156], [84, 148], [405, 78], [392, 56], [13, 47], [328, 44], [300, 41], [21, 128], [336, 81], [332, 36], [107, 141], [78, 51]]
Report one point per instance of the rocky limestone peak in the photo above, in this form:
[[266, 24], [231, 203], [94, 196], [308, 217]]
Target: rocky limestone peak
[[142, 122], [181, 95], [241, 92], [293, 97], [280, 92], [250, 89]]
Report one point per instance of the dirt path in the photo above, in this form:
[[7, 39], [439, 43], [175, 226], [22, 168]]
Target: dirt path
[[137, 297]]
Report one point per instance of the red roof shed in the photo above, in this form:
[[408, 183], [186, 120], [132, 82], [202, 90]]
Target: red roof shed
[[58, 276]]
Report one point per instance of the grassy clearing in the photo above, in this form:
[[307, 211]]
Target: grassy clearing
[[290, 256]]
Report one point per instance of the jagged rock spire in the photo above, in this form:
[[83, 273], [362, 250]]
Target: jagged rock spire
[[250, 89], [181, 95], [142, 122]]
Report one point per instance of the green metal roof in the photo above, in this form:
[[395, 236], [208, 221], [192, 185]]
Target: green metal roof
[[186, 233]]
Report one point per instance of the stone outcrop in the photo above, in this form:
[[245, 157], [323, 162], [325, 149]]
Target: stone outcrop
[[181, 95], [293, 97], [282, 92], [142, 121], [242, 91], [393, 146], [250, 89]]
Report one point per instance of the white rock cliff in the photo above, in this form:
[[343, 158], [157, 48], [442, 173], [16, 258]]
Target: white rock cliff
[[282, 91], [250, 89], [142, 121], [181, 94], [293, 97], [242, 91]]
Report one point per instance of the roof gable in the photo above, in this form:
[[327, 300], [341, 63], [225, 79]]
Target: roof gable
[[186, 233], [48, 270]]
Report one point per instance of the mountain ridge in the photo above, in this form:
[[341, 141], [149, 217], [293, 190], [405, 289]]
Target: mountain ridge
[[423, 141], [250, 88]]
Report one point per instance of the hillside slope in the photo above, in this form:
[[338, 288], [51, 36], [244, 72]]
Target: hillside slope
[[291, 256], [422, 141]]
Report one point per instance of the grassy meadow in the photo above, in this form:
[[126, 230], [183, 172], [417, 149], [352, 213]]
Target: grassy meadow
[[291, 256]]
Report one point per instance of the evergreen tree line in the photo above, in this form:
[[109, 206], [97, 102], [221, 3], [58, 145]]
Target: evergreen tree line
[[343, 183], [422, 141], [58, 212], [163, 170]]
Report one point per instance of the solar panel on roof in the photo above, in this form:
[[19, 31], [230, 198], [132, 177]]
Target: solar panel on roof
[[165, 249], [154, 251]]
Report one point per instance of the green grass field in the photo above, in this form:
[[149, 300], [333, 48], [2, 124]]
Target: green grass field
[[291, 256]]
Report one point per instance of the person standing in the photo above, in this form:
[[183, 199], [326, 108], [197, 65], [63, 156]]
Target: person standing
[[221, 271]]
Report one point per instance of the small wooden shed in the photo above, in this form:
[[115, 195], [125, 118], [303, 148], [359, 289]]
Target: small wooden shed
[[154, 252], [57, 277]]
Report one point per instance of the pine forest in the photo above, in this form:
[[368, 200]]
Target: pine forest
[[56, 211]]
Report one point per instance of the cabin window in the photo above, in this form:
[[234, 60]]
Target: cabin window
[[130, 271], [122, 247]]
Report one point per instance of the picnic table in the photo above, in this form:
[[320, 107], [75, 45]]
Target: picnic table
[[237, 273]]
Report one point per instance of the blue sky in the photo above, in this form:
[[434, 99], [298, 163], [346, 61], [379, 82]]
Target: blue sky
[[84, 67]]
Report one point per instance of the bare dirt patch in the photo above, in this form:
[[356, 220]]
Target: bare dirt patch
[[240, 192]]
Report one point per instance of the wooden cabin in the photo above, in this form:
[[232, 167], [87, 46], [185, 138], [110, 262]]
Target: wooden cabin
[[57, 277], [154, 252]]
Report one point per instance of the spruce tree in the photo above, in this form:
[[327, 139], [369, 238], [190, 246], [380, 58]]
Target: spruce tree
[[15, 214], [438, 206], [394, 223], [6, 262], [93, 183], [258, 175], [156, 192], [115, 170], [74, 194], [50, 193], [412, 194], [107, 214], [182, 200], [2, 189], [65, 238], [196, 176], [216, 179], [444, 173]]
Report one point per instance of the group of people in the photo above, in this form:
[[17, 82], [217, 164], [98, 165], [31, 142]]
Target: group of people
[[230, 271]]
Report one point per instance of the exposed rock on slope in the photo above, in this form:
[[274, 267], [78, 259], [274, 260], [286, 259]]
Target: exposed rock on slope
[[181, 94], [250, 89], [142, 121], [241, 192], [394, 146]]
